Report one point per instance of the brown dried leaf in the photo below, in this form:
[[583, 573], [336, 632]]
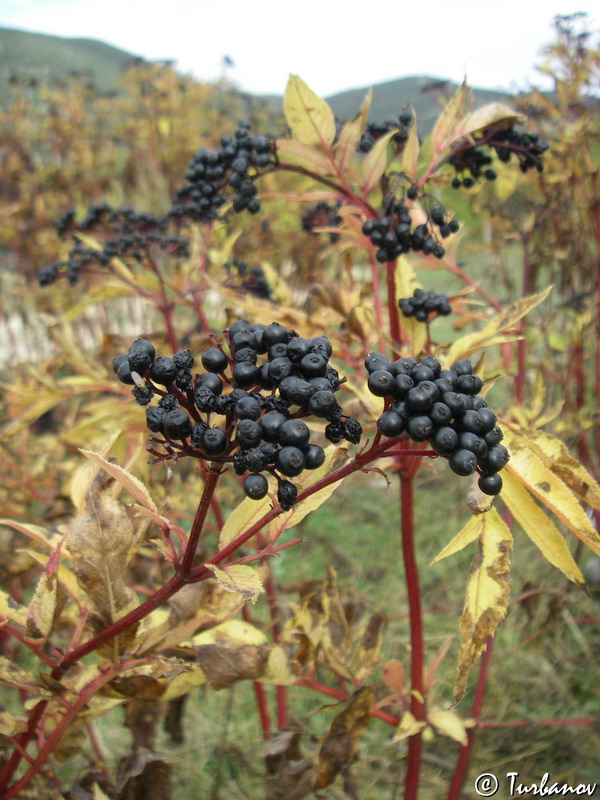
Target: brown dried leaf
[[370, 646], [341, 742], [128, 481], [226, 665], [100, 543], [290, 775], [142, 776]]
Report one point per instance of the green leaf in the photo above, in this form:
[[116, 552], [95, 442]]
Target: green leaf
[[308, 115]]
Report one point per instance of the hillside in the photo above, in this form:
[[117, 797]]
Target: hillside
[[38, 56], [27, 56]]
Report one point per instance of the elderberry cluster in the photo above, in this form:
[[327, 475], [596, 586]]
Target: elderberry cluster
[[528, 148], [215, 175], [252, 278], [427, 403], [262, 432], [375, 130], [322, 215], [123, 233], [392, 234], [423, 304]]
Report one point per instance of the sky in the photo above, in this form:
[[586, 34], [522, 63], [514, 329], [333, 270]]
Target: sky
[[332, 45]]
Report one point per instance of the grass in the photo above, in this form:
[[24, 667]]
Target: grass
[[544, 663]]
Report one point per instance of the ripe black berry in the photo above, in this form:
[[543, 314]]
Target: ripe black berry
[[163, 370], [490, 484], [463, 462], [294, 432], [214, 442], [214, 360], [177, 424], [141, 355], [419, 428], [314, 456], [391, 424], [290, 461], [248, 433], [381, 383], [255, 486]]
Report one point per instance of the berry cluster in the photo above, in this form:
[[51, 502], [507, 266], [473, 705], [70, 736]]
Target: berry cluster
[[261, 432], [424, 303], [322, 215], [427, 403], [528, 147], [375, 130], [392, 234], [212, 174], [253, 278], [123, 232]]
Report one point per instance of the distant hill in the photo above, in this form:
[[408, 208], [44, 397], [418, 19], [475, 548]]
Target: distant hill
[[28, 56]]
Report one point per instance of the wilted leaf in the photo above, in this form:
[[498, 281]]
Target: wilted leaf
[[408, 726], [448, 119], [376, 161], [351, 132], [290, 775], [35, 532], [468, 534], [370, 646], [410, 155], [195, 607], [225, 665], [142, 776], [129, 482], [308, 115], [11, 726], [393, 675], [278, 670], [162, 679], [447, 722], [100, 543], [531, 471], [239, 578], [540, 529], [13, 675], [341, 741], [487, 594], [43, 607]]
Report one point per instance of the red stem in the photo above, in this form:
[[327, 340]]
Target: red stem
[[259, 694], [417, 704], [205, 503], [464, 755]]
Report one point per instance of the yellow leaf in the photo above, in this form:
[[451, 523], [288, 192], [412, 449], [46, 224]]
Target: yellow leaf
[[233, 632], [9, 610], [351, 133], [239, 578], [540, 529], [10, 726], [376, 161], [107, 290], [43, 606], [128, 481], [556, 456], [408, 727], [446, 122], [447, 722], [468, 534], [531, 471], [243, 517], [35, 532], [503, 320], [304, 155], [87, 471], [492, 115], [278, 670], [13, 675], [405, 283], [410, 156], [487, 594], [308, 115], [335, 457]]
